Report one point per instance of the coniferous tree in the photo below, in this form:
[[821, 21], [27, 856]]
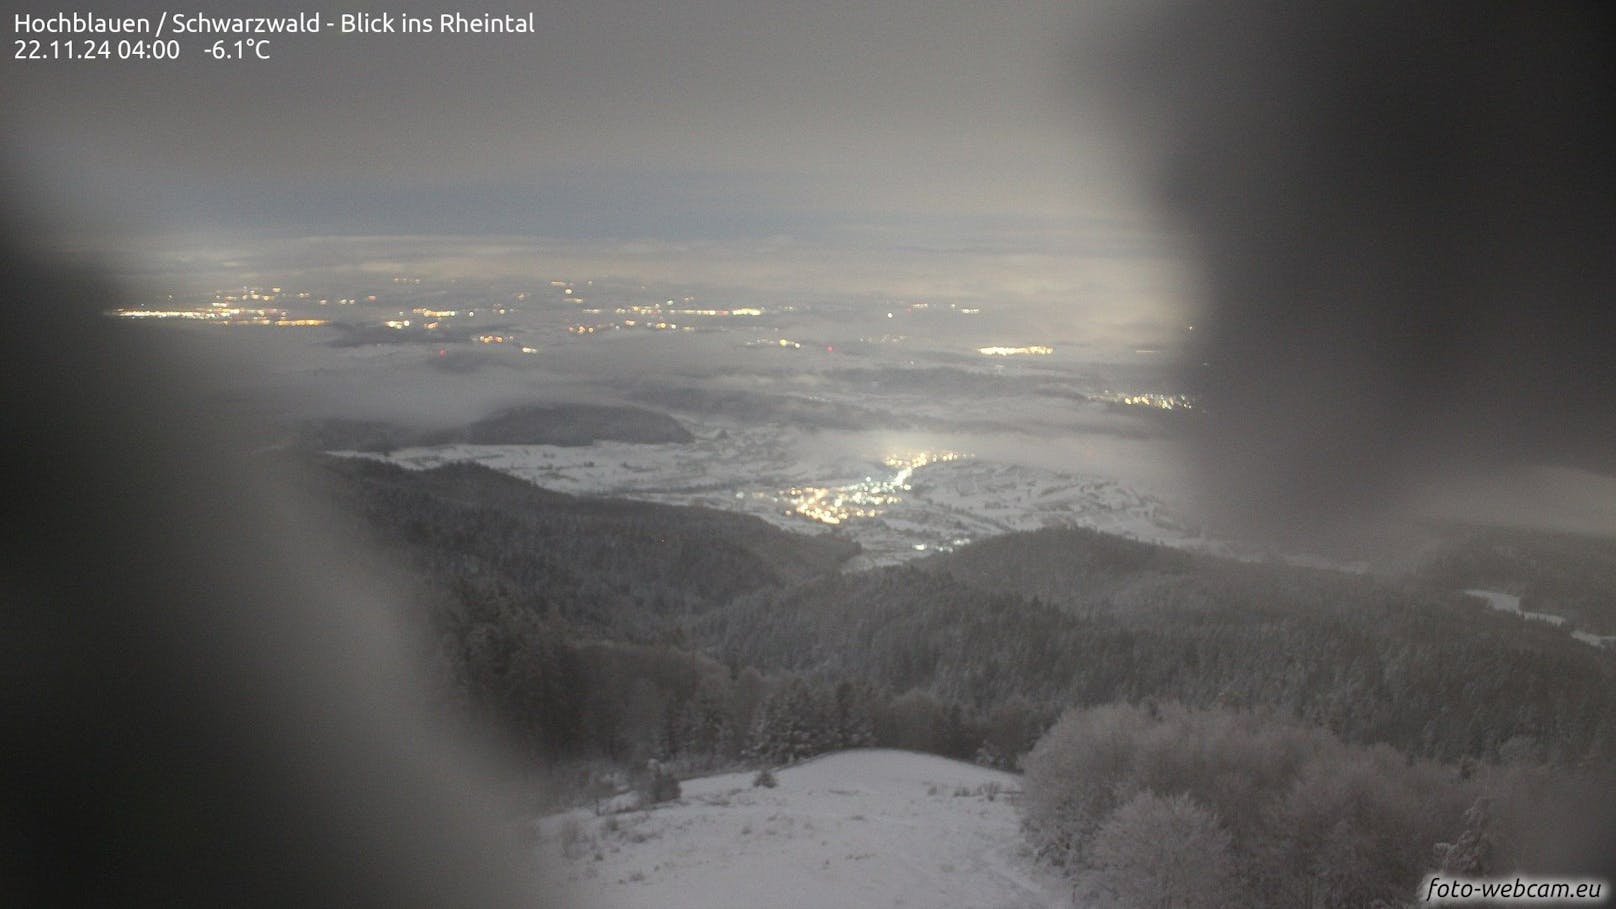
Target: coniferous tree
[[793, 724], [852, 725]]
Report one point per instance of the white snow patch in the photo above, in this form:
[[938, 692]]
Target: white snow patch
[[1508, 602], [867, 828], [1595, 640]]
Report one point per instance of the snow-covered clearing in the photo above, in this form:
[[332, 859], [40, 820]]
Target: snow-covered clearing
[[866, 828]]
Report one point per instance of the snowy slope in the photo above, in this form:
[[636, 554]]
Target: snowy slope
[[867, 828]]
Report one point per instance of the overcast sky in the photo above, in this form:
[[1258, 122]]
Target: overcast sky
[[1346, 171], [899, 146], [620, 117]]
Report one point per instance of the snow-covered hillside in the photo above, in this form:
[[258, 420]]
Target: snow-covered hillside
[[866, 828]]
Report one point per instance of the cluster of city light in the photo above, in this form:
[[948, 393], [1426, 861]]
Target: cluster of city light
[[835, 506], [1033, 350], [950, 546], [627, 323], [206, 315], [1148, 399], [867, 498], [787, 343], [246, 294], [247, 305], [658, 311], [907, 465], [953, 307], [221, 315]]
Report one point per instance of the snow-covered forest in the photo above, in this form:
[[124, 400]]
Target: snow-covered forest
[[1297, 736]]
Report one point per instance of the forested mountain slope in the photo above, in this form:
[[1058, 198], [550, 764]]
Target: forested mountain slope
[[619, 567], [1556, 573], [532, 424], [1371, 660], [621, 629]]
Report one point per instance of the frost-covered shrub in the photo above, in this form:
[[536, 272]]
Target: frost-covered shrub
[[1071, 776], [1304, 818], [1165, 851]]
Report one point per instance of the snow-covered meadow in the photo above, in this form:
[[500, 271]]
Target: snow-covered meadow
[[868, 828]]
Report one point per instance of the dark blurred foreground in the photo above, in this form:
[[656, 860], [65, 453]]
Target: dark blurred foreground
[[1405, 214], [204, 703]]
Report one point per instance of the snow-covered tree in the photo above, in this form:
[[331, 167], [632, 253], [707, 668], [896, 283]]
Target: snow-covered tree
[[1157, 852], [791, 725], [851, 725]]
